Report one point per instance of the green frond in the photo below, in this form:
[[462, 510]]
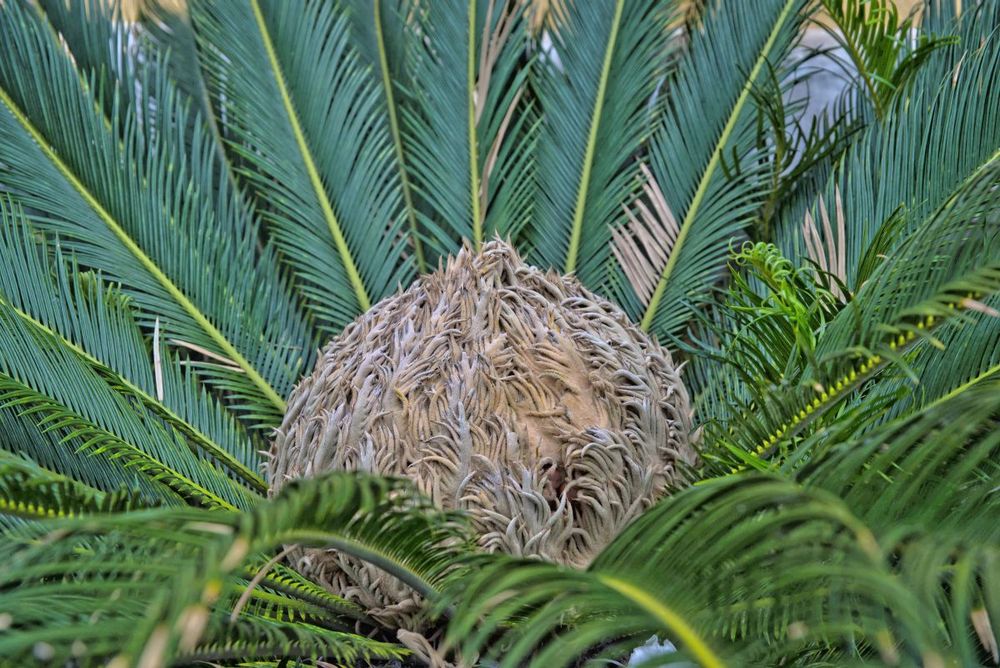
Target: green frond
[[380, 35], [762, 337], [251, 638], [730, 51], [880, 46], [961, 358], [190, 201], [42, 378], [22, 437], [64, 159], [274, 607], [467, 124], [79, 311], [51, 415], [742, 584], [30, 491], [927, 483], [165, 28], [807, 138], [293, 585], [933, 471], [89, 28], [163, 582], [882, 548], [318, 163], [595, 87], [952, 255], [934, 141]]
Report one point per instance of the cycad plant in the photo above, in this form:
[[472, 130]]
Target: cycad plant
[[195, 199]]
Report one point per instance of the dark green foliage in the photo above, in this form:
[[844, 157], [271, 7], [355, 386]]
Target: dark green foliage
[[192, 203]]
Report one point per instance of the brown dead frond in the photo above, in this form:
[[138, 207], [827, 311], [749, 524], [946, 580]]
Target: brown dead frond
[[643, 245], [828, 250]]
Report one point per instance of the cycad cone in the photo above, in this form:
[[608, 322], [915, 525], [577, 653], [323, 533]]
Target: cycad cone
[[513, 394]]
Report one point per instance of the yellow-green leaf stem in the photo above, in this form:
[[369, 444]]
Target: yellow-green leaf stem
[[350, 268], [713, 165], [678, 628], [474, 185], [576, 234], [186, 304], [397, 138]]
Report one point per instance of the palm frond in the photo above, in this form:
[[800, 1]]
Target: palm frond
[[728, 54], [811, 117], [834, 560], [932, 143], [467, 125], [190, 201], [78, 311], [596, 97], [21, 437], [251, 638], [934, 274], [382, 37], [948, 464], [721, 601], [927, 483], [111, 193], [30, 491], [319, 165], [46, 382], [178, 570], [961, 358], [94, 32], [880, 45]]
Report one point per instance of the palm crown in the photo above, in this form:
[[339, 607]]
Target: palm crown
[[193, 202]]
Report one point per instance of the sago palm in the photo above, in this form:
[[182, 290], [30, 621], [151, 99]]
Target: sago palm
[[737, 403]]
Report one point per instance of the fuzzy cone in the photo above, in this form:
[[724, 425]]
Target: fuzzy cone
[[510, 393]]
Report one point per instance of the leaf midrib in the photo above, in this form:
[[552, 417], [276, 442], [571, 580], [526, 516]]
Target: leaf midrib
[[397, 138], [148, 264], [712, 166], [217, 451], [33, 396], [679, 628], [350, 267], [474, 179], [576, 233]]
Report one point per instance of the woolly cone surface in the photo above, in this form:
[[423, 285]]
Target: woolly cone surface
[[513, 394]]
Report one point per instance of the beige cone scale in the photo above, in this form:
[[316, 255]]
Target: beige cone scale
[[510, 393]]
